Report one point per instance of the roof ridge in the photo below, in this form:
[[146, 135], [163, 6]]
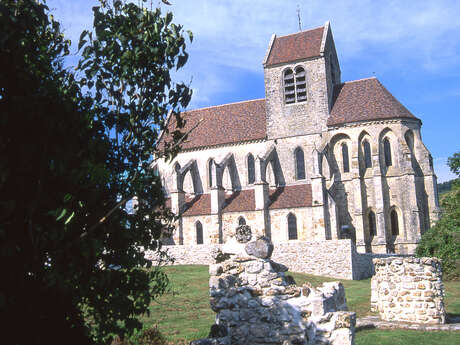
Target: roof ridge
[[357, 80], [222, 105], [301, 32]]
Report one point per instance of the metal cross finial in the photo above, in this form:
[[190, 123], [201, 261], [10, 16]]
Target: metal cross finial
[[298, 16]]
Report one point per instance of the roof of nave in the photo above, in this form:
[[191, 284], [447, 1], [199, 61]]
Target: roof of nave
[[223, 124], [238, 201], [197, 205], [365, 100], [244, 200], [301, 45], [354, 101]]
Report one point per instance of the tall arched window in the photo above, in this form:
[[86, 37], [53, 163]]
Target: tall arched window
[[367, 154], [289, 86], [394, 223], [387, 152], [199, 233], [210, 172], [345, 160], [372, 224], [251, 169], [299, 164], [295, 85], [300, 85], [241, 221], [292, 227]]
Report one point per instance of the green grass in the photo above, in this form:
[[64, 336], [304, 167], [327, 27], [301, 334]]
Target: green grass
[[184, 313], [406, 337]]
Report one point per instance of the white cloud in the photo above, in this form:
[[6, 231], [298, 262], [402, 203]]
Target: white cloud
[[424, 35]]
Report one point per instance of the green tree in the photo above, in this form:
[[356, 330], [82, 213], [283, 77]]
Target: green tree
[[71, 252], [443, 239]]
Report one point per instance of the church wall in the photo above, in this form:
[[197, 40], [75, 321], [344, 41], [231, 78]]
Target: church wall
[[255, 219], [399, 188], [279, 224], [189, 230], [202, 157], [285, 148]]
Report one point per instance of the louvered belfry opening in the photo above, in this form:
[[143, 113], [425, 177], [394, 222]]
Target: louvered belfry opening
[[300, 84], [295, 85], [289, 86]]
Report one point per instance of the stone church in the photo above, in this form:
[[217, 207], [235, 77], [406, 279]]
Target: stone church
[[317, 159]]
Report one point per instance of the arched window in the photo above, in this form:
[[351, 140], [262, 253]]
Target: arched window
[[299, 164], [300, 85], [251, 169], [394, 223], [345, 160], [289, 86], [241, 221], [387, 152], [367, 154], [372, 224], [199, 233], [210, 172], [295, 85], [292, 227]]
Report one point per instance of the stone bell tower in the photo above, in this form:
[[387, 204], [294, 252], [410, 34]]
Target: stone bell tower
[[300, 71]]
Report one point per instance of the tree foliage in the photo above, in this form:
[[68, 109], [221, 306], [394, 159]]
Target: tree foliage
[[74, 150], [443, 239]]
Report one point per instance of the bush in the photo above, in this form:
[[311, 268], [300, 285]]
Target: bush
[[443, 241]]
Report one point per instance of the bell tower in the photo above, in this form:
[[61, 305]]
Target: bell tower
[[300, 73]]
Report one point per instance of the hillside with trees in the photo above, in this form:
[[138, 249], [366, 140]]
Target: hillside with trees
[[443, 239]]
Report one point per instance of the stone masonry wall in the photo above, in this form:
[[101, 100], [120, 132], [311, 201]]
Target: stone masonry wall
[[408, 289], [333, 258]]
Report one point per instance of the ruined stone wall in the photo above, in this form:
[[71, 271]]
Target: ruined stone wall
[[408, 289], [255, 303]]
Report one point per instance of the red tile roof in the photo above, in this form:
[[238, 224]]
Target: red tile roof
[[365, 100], [223, 124], [243, 200], [291, 196], [297, 46], [198, 205]]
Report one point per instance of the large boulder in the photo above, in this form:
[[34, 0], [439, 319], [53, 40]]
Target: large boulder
[[261, 248]]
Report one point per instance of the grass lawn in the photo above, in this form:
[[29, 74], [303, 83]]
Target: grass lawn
[[184, 313]]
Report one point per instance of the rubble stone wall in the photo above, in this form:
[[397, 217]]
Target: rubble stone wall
[[256, 303], [332, 258], [408, 289]]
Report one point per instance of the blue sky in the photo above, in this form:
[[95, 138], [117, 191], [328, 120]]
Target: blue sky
[[412, 47]]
